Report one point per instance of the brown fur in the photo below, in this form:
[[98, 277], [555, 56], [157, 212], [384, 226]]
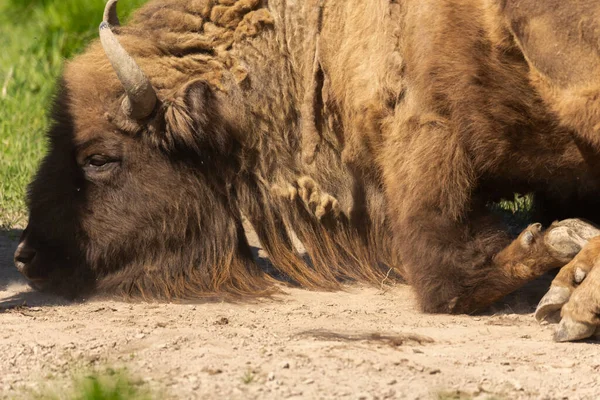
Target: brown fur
[[377, 135]]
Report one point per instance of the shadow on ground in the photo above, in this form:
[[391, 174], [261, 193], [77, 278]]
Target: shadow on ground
[[8, 244], [523, 300], [14, 290]]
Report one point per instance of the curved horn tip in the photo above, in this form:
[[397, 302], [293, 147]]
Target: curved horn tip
[[110, 13], [141, 97]]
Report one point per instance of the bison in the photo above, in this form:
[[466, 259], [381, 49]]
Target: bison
[[377, 134]]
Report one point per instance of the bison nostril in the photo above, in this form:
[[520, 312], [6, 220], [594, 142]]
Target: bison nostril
[[24, 254]]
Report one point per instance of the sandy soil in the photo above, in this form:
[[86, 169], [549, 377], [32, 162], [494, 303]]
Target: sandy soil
[[363, 343]]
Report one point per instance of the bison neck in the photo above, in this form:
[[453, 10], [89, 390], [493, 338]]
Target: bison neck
[[310, 185]]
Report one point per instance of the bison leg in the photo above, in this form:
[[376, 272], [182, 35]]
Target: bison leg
[[457, 258], [445, 285], [581, 314], [529, 256], [577, 287], [577, 234]]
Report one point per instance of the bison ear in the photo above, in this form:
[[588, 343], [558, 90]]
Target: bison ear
[[193, 121]]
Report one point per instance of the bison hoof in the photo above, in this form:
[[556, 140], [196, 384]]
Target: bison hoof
[[548, 309], [566, 238], [569, 330], [583, 229]]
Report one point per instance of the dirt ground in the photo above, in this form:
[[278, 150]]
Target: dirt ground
[[363, 343]]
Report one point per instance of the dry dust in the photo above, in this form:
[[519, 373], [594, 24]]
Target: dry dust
[[363, 343]]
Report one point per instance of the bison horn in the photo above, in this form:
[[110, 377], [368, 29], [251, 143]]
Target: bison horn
[[141, 98], [110, 13]]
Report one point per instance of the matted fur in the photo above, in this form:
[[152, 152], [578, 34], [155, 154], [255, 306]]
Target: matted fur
[[375, 135]]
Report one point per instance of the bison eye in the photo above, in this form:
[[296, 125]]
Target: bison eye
[[97, 161], [99, 166]]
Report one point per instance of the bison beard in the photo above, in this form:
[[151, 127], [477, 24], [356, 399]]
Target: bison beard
[[376, 136]]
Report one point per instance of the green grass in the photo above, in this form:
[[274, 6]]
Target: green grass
[[516, 213], [36, 36], [248, 377], [109, 384]]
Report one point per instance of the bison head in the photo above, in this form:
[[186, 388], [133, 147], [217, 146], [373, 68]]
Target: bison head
[[135, 193]]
